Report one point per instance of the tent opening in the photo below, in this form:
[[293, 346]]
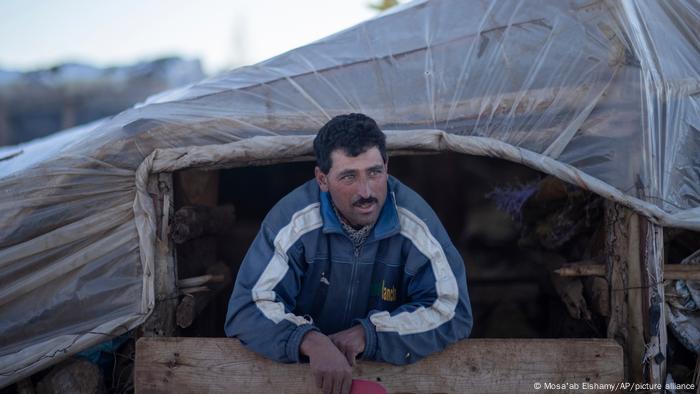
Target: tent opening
[[512, 225]]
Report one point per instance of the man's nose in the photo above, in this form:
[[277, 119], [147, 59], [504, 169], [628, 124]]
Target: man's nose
[[364, 189]]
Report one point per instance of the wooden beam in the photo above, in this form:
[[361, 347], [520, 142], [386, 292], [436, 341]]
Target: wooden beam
[[635, 298], [681, 271], [218, 278], [188, 365], [670, 271], [200, 280], [651, 251], [192, 222], [583, 268], [162, 320], [634, 252], [616, 221]]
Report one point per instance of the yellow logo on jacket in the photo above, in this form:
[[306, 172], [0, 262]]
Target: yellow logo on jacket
[[388, 293]]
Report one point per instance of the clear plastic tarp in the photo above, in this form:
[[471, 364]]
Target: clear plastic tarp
[[604, 94]]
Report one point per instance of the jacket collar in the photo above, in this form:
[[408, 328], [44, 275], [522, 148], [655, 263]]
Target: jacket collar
[[387, 222]]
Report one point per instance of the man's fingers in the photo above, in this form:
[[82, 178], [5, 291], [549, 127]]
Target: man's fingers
[[347, 385], [350, 356], [337, 382], [345, 380], [319, 380], [327, 383], [332, 365]]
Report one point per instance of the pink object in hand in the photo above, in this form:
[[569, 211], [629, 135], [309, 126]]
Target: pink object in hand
[[366, 387]]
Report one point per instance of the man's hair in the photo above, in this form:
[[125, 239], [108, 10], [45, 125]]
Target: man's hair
[[352, 133]]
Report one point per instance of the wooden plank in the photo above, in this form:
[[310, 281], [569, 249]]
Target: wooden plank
[[681, 271], [189, 365], [162, 320], [582, 268], [670, 271]]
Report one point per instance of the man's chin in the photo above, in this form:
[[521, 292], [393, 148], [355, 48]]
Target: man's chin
[[364, 220]]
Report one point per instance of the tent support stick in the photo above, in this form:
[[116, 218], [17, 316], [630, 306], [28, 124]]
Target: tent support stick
[[162, 320], [651, 250], [634, 253]]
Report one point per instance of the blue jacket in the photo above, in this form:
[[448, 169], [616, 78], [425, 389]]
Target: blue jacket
[[406, 284]]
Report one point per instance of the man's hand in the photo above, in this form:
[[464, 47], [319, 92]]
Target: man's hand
[[330, 368], [351, 342]]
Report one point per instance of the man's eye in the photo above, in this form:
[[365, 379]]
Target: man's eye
[[347, 177], [375, 172]]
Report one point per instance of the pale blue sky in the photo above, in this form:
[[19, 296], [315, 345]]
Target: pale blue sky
[[41, 33]]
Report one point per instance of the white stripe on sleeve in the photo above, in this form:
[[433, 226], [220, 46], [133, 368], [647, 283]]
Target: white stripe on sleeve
[[303, 221], [443, 308]]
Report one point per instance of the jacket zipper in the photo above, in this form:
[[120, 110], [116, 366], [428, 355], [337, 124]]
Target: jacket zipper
[[353, 273]]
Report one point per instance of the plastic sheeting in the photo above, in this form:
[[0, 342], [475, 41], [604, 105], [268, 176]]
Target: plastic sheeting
[[683, 308], [604, 94]]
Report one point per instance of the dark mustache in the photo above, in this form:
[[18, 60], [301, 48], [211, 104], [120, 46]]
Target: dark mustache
[[362, 201]]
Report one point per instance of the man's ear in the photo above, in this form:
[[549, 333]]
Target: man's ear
[[386, 164], [322, 179]]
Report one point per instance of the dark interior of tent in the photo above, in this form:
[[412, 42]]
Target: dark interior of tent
[[514, 226]]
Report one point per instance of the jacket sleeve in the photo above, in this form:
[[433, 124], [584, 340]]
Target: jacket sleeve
[[264, 296], [437, 311]]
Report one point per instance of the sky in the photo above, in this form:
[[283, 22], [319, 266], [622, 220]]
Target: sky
[[223, 34]]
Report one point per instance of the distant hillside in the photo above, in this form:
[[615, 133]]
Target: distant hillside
[[37, 103]]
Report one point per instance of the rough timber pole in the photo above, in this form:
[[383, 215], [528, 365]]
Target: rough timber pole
[[162, 320], [634, 250], [652, 259]]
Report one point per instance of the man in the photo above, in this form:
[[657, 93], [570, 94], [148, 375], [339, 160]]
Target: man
[[350, 263]]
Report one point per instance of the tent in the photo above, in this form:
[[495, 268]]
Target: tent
[[601, 94]]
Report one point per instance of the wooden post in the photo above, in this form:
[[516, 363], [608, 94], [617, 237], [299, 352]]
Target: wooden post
[[162, 320], [634, 293], [651, 250], [616, 222], [634, 253]]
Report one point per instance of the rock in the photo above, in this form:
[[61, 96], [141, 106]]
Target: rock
[[77, 376]]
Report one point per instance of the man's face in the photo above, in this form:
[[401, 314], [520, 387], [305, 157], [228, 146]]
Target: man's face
[[357, 185]]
